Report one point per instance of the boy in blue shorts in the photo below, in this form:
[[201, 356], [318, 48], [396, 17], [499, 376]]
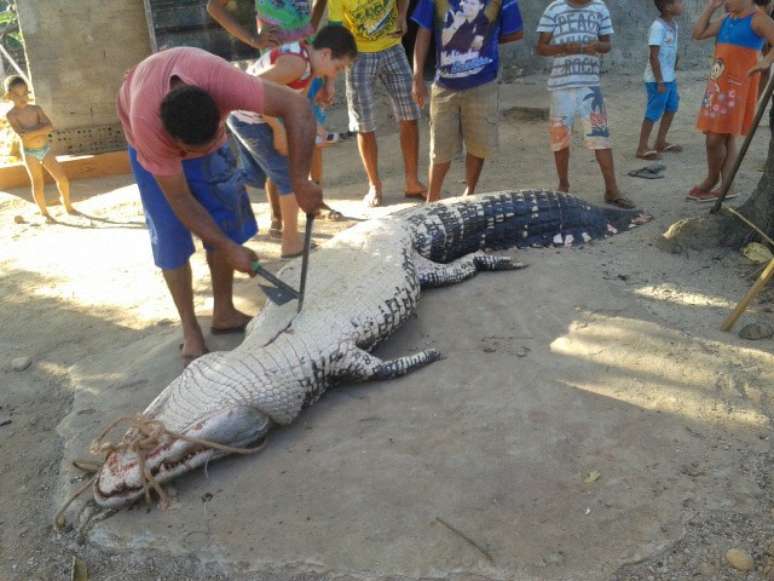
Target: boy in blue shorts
[[661, 80]]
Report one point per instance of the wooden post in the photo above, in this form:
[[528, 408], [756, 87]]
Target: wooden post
[[762, 281]]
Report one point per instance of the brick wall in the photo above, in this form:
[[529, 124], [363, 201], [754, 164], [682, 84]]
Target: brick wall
[[77, 52]]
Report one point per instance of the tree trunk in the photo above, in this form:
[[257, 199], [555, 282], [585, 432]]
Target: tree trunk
[[724, 229]]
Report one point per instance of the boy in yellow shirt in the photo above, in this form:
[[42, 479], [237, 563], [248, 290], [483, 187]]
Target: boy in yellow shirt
[[378, 26]]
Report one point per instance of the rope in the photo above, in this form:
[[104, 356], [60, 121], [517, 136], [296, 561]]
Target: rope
[[750, 224], [144, 436]]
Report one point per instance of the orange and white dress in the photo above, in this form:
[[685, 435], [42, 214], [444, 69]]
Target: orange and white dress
[[731, 96]]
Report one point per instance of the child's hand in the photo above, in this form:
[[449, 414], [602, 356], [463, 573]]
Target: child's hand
[[419, 91], [762, 66], [662, 88], [590, 49]]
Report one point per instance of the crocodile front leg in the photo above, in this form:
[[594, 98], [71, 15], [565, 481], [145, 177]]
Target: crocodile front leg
[[361, 365], [433, 274]]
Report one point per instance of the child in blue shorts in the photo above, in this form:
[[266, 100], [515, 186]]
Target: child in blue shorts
[[661, 80]]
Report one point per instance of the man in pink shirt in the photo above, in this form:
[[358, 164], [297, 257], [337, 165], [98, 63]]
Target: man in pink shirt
[[172, 108]]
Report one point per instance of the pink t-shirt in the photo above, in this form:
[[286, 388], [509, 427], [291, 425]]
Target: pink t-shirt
[[146, 85]]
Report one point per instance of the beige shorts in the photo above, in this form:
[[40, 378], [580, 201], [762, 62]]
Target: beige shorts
[[470, 116]]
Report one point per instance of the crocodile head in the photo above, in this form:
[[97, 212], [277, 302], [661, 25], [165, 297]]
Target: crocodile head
[[119, 481]]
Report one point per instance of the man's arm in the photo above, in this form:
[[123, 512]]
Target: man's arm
[[217, 9], [763, 26], [301, 128], [194, 217]]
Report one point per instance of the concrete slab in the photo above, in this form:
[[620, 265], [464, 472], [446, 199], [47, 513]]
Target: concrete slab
[[559, 439]]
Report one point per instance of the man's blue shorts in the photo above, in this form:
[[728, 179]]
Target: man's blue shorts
[[217, 183], [259, 159], [660, 103]]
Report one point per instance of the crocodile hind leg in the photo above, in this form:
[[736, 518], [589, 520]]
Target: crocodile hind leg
[[361, 365], [433, 274]]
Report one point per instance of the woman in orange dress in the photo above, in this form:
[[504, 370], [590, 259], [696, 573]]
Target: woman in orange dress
[[730, 100]]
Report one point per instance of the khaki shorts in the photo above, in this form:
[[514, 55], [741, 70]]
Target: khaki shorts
[[470, 116]]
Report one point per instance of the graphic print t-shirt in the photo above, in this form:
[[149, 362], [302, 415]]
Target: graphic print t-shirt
[[292, 17], [467, 37], [663, 35], [373, 23], [568, 24]]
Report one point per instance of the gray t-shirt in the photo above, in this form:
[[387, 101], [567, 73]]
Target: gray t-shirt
[[572, 23]]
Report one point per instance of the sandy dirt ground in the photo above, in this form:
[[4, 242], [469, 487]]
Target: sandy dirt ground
[[667, 469]]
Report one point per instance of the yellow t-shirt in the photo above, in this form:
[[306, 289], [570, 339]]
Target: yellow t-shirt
[[373, 23]]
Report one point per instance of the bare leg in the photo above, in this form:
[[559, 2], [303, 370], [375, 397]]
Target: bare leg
[[369, 153], [716, 157], [605, 161], [437, 175], [291, 241], [276, 212], [180, 286], [473, 167], [663, 129], [642, 148], [731, 153], [35, 171], [62, 183], [224, 314], [562, 159], [409, 146]]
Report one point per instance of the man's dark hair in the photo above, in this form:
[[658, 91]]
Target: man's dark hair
[[762, 2], [662, 4], [13, 81], [190, 115], [338, 39]]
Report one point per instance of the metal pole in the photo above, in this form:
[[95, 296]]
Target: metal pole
[[726, 183]]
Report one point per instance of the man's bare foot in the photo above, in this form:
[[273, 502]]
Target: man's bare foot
[[231, 321], [373, 199], [415, 190], [564, 188], [71, 210], [48, 218]]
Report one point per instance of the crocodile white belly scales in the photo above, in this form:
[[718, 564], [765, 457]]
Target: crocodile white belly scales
[[362, 285]]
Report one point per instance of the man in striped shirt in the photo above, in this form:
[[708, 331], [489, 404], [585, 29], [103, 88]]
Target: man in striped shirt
[[574, 33]]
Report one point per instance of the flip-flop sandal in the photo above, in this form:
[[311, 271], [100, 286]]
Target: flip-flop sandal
[[275, 233], [297, 254], [647, 173], [672, 148], [729, 195], [698, 195], [650, 155], [228, 330], [622, 203]]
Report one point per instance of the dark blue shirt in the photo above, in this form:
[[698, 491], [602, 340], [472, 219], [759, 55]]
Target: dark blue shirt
[[467, 39]]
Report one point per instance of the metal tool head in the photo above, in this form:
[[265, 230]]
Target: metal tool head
[[277, 295], [278, 291]]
